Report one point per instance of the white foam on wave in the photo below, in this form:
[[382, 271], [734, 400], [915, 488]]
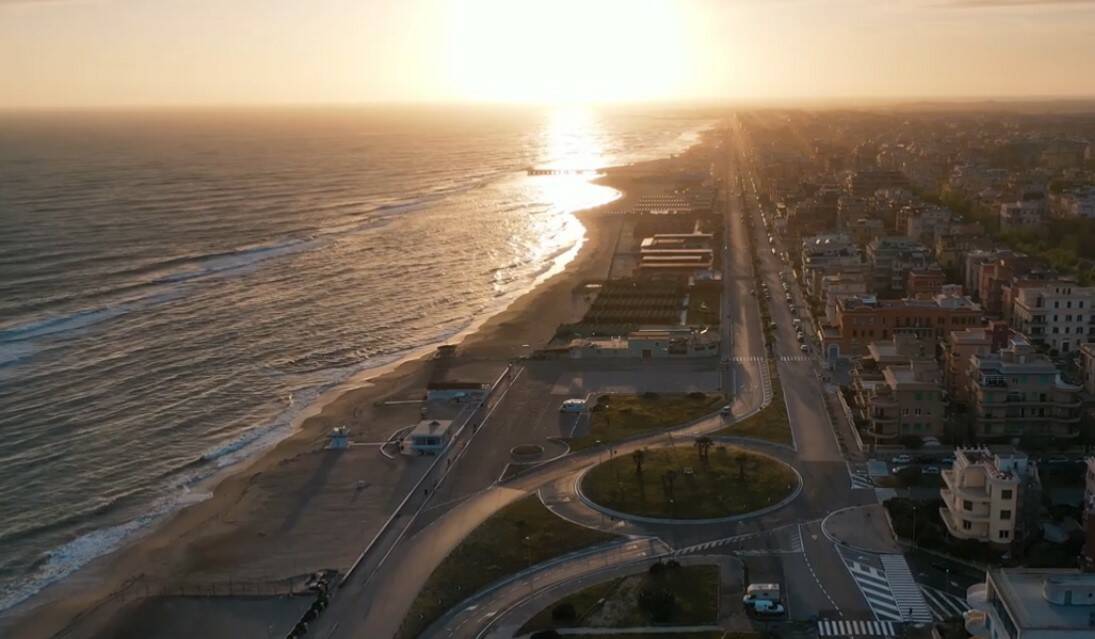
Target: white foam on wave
[[66, 559]]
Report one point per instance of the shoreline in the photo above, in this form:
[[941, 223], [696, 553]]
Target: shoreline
[[170, 549]]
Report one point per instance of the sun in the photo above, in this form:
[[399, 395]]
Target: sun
[[564, 51]]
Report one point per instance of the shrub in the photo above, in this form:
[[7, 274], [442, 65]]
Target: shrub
[[564, 613], [658, 603]]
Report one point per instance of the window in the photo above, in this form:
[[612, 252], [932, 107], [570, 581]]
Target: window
[[1005, 514], [1005, 494], [966, 525], [1004, 534], [967, 505]]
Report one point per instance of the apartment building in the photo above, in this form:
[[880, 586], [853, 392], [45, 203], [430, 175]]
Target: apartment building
[[1023, 215], [925, 283], [960, 346], [1076, 204], [905, 399], [1087, 363], [981, 495], [1059, 314], [1032, 603], [828, 254], [862, 320], [891, 258], [1018, 391]]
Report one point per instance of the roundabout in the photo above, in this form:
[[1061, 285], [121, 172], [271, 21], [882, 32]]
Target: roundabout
[[689, 484]]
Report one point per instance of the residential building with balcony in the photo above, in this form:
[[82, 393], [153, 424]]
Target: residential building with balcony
[[960, 346], [1024, 214], [1087, 364], [1059, 314], [1018, 391], [904, 399], [1032, 603], [862, 320], [1075, 204], [981, 495]]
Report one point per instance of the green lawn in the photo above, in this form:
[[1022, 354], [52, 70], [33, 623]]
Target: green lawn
[[695, 591], [524, 533], [704, 304], [770, 424], [732, 481], [618, 417]]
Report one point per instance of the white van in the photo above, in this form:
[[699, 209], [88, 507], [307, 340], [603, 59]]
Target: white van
[[760, 592], [573, 406]]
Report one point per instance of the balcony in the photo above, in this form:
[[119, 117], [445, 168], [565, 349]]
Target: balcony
[[976, 623], [954, 527]]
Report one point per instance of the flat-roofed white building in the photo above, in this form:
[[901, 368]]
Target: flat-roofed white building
[[1027, 603]]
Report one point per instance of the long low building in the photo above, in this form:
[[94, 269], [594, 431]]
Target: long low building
[[652, 343]]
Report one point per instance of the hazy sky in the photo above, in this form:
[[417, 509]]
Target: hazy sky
[[165, 52]]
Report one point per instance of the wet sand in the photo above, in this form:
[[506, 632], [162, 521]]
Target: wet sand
[[298, 508]]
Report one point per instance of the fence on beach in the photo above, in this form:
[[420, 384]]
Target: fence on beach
[[91, 620]]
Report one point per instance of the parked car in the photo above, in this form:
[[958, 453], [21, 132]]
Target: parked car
[[766, 608], [930, 470], [804, 348], [902, 460]]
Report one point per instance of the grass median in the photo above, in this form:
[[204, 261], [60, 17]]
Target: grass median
[[617, 417], [682, 483], [770, 424], [520, 535], [665, 594]]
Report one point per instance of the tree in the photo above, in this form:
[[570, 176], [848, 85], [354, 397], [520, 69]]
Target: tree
[[564, 613], [638, 456], [668, 480], [703, 447]]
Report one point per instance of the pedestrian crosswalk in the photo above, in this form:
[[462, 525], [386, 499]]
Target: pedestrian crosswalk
[[795, 358], [844, 628], [796, 540], [944, 605], [876, 590], [711, 545], [906, 592], [748, 358]]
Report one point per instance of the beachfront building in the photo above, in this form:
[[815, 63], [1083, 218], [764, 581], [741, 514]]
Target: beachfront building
[[455, 391], [685, 254], [981, 495], [1018, 391], [659, 343], [428, 437], [1032, 603]]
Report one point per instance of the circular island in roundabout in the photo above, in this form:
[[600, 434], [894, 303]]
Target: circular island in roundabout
[[705, 481]]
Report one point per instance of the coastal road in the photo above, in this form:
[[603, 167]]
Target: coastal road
[[373, 602]]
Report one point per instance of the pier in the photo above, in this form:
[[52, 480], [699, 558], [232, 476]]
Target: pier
[[535, 171]]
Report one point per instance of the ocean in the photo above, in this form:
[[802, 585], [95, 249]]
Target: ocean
[[177, 286]]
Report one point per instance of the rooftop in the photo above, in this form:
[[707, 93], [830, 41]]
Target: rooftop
[[1024, 591]]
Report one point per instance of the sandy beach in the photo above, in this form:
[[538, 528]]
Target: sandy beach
[[298, 508]]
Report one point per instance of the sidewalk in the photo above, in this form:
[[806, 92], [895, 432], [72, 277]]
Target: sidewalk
[[862, 528]]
